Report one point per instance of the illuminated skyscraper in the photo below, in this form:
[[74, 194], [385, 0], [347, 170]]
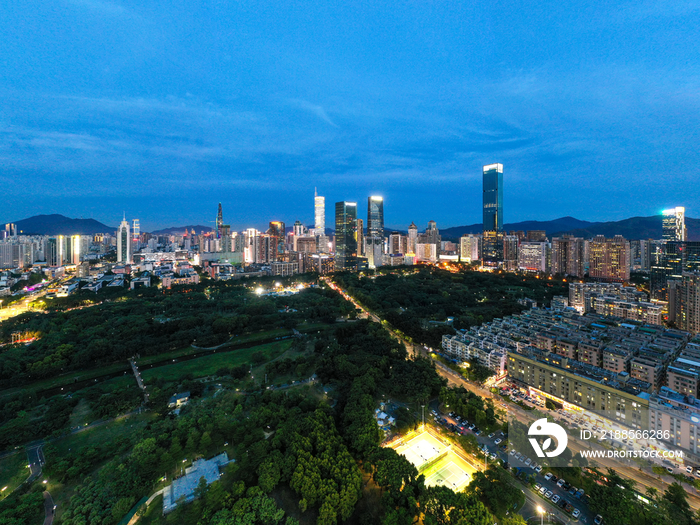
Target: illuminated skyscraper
[[568, 255], [276, 232], [219, 222], [493, 197], [319, 214], [136, 233], [360, 237], [492, 241], [673, 223], [375, 231], [412, 237], [345, 236], [123, 243]]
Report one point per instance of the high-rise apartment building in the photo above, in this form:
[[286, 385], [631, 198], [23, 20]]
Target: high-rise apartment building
[[360, 238], [568, 255], [609, 258], [277, 234], [412, 238], [492, 241], [684, 302], [469, 247], [219, 222], [345, 236], [673, 224], [533, 256], [123, 242], [375, 231], [135, 234]]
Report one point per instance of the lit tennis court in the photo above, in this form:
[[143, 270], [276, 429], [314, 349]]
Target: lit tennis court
[[421, 449], [447, 475]]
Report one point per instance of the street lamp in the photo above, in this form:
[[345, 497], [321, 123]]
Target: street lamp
[[540, 510]]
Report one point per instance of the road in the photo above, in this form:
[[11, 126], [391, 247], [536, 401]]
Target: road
[[36, 461], [49, 507]]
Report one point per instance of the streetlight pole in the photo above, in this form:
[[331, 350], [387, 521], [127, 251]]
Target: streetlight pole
[[540, 510], [422, 411]]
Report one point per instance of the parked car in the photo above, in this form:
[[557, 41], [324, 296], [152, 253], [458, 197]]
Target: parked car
[[556, 498], [572, 490], [513, 452], [548, 476], [538, 469], [598, 519], [537, 486], [561, 482], [491, 435], [548, 494], [528, 461], [543, 490], [498, 441], [576, 513], [689, 469], [580, 493]]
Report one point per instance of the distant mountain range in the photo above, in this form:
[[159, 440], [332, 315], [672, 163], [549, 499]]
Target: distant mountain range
[[56, 224], [198, 228], [632, 228]]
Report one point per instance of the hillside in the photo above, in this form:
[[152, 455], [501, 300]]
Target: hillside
[[56, 224]]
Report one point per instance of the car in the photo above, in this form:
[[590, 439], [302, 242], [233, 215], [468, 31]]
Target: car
[[491, 435], [598, 519], [548, 494], [566, 486], [477, 431], [472, 426], [556, 498], [548, 476], [689, 469], [513, 451], [554, 479], [669, 470], [537, 486], [492, 455], [543, 490], [561, 482], [518, 455], [575, 513], [572, 490], [538, 469], [528, 461], [697, 472], [498, 441], [579, 493], [563, 503]]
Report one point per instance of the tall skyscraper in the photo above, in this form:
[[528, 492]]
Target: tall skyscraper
[[412, 237], [219, 222], [277, 233], [319, 214], [123, 243], [492, 241], [493, 197], [345, 237], [360, 238], [674, 258], [375, 231], [673, 224]]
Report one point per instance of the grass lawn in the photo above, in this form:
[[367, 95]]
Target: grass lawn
[[13, 471], [80, 415], [102, 433], [209, 364]]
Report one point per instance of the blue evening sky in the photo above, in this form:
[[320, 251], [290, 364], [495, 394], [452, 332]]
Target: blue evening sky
[[164, 108]]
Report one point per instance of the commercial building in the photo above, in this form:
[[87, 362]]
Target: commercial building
[[375, 231], [345, 236], [674, 258], [673, 224], [124, 253], [492, 242], [680, 414]]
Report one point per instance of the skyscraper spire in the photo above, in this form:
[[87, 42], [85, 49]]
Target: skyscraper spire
[[219, 222]]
